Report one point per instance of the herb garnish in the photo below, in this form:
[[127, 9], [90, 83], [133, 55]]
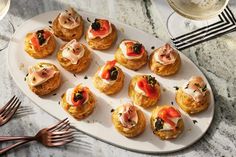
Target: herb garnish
[[204, 88], [195, 121], [159, 123], [50, 22], [112, 110], [151, 80]]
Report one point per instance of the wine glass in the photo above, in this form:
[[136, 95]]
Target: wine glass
[[191, 15], [6, 28]]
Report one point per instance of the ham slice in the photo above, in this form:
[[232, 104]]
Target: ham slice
[[165, 55], [69, 19], [128, 115]]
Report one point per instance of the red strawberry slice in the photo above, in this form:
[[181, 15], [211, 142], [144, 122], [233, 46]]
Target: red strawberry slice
[[147, 88], [104, 28], [107, 68]]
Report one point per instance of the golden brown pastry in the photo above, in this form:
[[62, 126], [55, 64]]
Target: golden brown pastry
[[101, 34], [165, 61], [193, 97], [68, 25], [78, 102], [109, 79], [131, 54], [129, 120], [144, 90], [166, 122], [40, 44], [43, 78], [74, 57]]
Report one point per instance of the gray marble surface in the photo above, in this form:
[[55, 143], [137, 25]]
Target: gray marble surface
[[216, 59]]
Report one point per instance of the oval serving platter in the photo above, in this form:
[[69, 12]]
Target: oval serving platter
[[99, 124]]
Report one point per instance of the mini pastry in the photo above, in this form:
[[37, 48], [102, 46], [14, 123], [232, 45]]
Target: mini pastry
[[144, 90], [43, 78], [101, 34], [129, 120], [165, 61], [193, 97], [74, 57], [40, 44], [68, 25], [78, 102], [109, 79], [131, 54], [166, 122]]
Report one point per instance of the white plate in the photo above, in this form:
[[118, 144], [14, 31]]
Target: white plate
[[99, 124]]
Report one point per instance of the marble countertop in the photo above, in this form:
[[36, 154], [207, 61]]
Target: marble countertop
[[216, 59]]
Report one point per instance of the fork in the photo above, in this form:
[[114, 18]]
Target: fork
[[7, 111], [57, 135]]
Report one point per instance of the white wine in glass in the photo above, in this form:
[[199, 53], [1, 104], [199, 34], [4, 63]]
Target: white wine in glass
[[6, 29], [193, 14]]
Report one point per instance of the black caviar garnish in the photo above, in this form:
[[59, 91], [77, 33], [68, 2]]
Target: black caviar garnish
[[40, 37], [78, 96], [159, 123], [96, 25], [137, 48], [113, 73], [151, 80]]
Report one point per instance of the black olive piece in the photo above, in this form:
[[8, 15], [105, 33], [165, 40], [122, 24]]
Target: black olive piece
[[113, 73], [137, 48], [96, 25], [159, 123], [78, 96]]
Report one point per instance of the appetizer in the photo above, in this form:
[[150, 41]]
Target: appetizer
[[129, 120], [68, 25], [101, 34], [78, 102], [43, 78], [131, 54], [164, 61], [193, 97], [144, 90], [40, 44], [74, 56], [109, 79], [166, 122]]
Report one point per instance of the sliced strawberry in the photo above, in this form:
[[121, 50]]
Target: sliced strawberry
[[147, 88], [104, 28], [107, 68]]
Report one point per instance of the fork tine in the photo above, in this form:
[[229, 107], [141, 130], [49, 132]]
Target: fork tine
[[13, 111], [56, 133], [69, 137], [54, 126], [60, 143], [65, 127], [60, 126], [7, 104], [10, 107]]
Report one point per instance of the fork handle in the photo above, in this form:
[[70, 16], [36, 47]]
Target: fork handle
[[6, 149], [13, 138]]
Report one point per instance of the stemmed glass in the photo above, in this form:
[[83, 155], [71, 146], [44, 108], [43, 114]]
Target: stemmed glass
[[191, 15], [6, 28]]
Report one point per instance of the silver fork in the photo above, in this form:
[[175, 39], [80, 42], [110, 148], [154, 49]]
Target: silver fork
[[7, 111]]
